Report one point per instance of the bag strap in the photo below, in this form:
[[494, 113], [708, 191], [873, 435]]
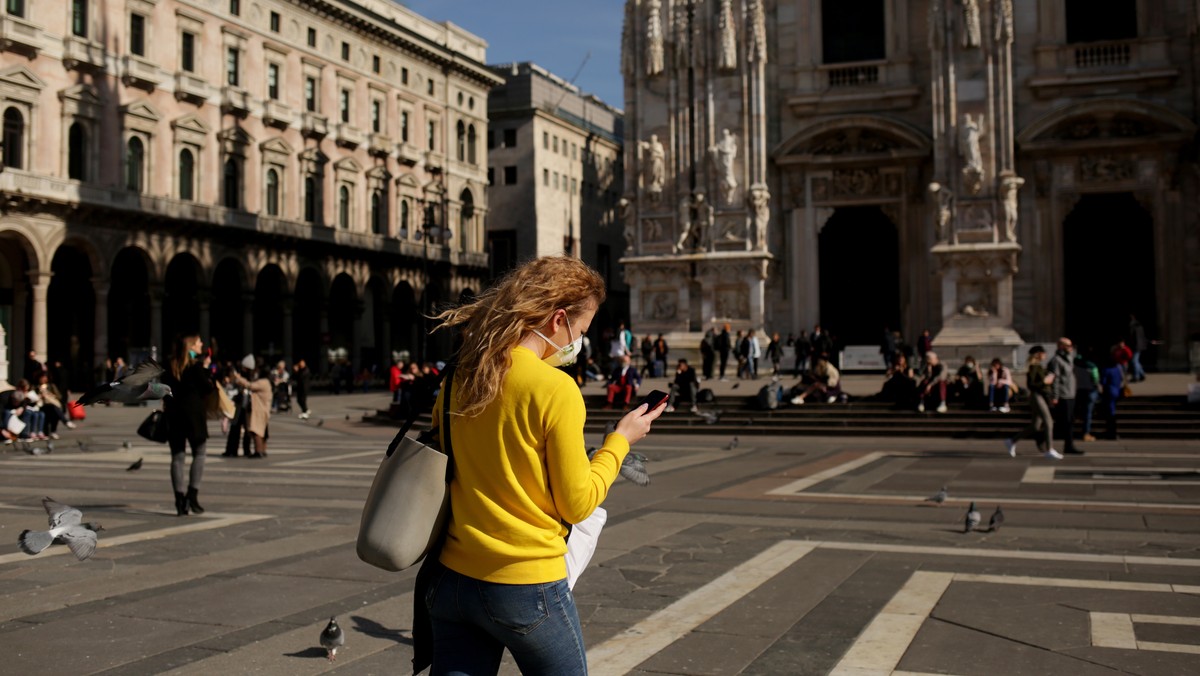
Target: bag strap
[[447, 379]]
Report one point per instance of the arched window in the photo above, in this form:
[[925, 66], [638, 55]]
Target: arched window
[[14, 138], [77, 152], [404, 225], [344, 208], [462, 142], [466, 215], [232, 184], [310, 199], [187, 175], [135, 161], [377, 212], [471, 145], [272, 192]]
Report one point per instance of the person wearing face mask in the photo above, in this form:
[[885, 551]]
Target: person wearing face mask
[[521, 472], [187, 418]]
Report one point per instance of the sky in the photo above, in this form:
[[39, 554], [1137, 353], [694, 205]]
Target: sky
[[555, 35]]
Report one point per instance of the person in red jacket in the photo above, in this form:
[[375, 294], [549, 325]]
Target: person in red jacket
[[623, 382], [395, 377]]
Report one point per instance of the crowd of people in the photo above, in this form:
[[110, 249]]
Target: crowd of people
[[36, 406]]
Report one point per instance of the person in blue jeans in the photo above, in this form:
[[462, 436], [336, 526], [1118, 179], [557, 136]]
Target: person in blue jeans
[[20, 402]]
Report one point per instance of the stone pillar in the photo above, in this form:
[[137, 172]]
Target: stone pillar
[[4, 385], [289, 304], [157, 348], [247, 323], [40, 281], [20, 346], [100, 287], [323, 352]]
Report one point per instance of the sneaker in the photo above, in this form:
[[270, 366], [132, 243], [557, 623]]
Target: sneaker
[[1005, 409], [54, 435], [1074, 451], [994, 409], [695, 410], [1053, 455], [942, 407], [831, 400], [1089, 437], [797, 400], [1011, 446], [69, 425], [921, 407], [670, 409]]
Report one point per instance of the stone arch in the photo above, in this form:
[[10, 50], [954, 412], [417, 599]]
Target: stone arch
[[406, 319], [270, 291], [229, 288], [182, 284], [130, 325], [307, 329], [17, 231], [855, 136], [375, 324], [71, 315], [1106, 122], [344, 305]]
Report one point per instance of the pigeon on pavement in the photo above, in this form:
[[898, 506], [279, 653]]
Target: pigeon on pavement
[[135, 466], [35, 449], [996, 521], [332, 638], [65, 523], [711, 418], [939, 497], [137, 386], [973, 519], [732, 444]]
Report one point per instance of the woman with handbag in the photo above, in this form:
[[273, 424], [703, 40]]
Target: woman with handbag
[[520, 473], [258, 400], [186, 415]]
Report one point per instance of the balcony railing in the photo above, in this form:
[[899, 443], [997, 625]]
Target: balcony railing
[[235, 100], [379, 144], [141, 72], [1103, 55], [348, 135], [408, 154], [314, 124], [192, 88], [83, 53], [278, 114], [854, 76], [18, 34]]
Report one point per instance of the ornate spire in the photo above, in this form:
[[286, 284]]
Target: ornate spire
[[727, 53], [756, 38], [654, 38]]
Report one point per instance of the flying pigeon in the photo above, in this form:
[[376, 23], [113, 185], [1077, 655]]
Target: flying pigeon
[[137, 386], [135, 466], [996, 521], [735, 386], [332, 638], [732, 444], [973, 519], [711, 418], [65, 523], [939, 497], [320, 422]]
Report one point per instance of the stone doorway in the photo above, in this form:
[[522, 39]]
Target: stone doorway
[[1108, 270], [859, 259]]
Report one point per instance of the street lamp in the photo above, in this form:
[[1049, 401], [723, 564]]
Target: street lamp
[[429, 232]]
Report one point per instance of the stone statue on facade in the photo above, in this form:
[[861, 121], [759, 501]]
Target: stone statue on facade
[[935, 25], [1004, 21], [727, 38], [683, 43], [704, 223], [723, 154], [760, 203], [654, 39], [756, 35], [1009, 187], [945, 210], [629, 223], [971, 29], [654, 166], [969, 135], [627, 50], [685, 223]]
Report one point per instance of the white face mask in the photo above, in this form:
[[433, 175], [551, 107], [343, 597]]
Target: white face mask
[[563, 356]]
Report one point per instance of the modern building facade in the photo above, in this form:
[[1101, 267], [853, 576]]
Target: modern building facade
[[998, 171], [287, 178], [555, 170]]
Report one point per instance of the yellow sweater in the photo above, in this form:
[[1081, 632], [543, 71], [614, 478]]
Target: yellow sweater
[[520, 469]]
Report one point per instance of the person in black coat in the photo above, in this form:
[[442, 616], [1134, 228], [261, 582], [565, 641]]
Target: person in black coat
[[187, 417]]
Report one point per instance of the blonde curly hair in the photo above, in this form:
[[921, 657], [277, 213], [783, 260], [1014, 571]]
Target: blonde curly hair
[[500, 318]]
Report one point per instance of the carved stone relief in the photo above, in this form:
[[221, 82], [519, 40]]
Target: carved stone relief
[[731, 228], [726, 38], [851, 142], [760, 203], [654, 166], [976, 298], [756, 34], [732, 303], [1004, 21], [723, 154], [654, 38], [1106, 168], [857, 183], [654, 230], [971, 30], [943, 210], [975, 217], [1009, 187], [660, 304], [970, 132]]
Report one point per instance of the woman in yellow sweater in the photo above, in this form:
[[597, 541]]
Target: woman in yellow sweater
[[521, 472]]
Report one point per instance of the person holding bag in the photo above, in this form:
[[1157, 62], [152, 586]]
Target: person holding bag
[[520, 474], [258, 403], [186, 414]]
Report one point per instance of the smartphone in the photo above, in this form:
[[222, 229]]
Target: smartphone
[[653, 399]]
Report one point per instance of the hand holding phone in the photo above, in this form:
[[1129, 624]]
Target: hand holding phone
[[636, 424]]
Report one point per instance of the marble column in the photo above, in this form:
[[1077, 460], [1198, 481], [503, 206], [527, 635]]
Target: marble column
[[100, 287], [157, 349], [289, 304], [40, 281]]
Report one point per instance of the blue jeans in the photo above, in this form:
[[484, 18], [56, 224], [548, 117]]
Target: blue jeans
[[1090, 400], [997, 395], [474, 621], [1136, 372]]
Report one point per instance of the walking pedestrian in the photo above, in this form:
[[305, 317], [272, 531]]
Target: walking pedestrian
[[521, 472], [300, 378], [887, 347], [1041, 423], [775, 353], [1112, 385], [821, 342], [755, 352], [742, 341], [647, 349], [724, 346], [708, 352], [1087, 391], [1138, 344], [1062, 366], [187, 418]]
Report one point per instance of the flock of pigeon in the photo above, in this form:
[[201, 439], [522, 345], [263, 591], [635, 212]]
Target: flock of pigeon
[[973, 518]]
